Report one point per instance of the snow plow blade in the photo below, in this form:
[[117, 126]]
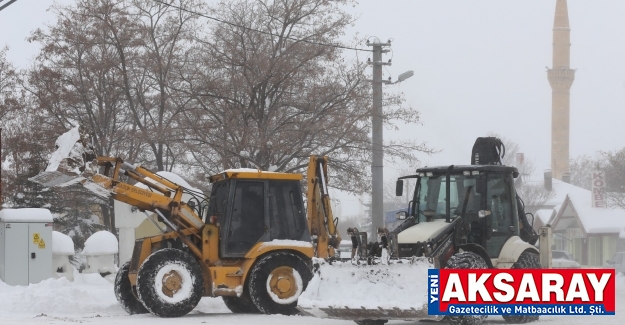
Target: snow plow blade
[[358, 292]]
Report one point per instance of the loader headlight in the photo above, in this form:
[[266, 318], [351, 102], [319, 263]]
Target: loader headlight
[[475, 172], [429, 174], [466, 173]]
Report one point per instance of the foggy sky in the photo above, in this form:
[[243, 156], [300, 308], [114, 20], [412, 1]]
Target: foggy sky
[[479, 68]]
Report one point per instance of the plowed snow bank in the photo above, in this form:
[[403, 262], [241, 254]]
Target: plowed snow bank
[[370, 286]]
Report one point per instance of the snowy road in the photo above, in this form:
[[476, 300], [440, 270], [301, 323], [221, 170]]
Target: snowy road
[[224, 317], [90, 300]]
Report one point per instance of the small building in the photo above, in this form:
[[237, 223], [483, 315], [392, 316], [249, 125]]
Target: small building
[[591, 234]]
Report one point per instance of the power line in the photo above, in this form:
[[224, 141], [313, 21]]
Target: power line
[[259, 31], [7, 4]]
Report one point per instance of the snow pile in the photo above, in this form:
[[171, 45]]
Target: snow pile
[[100, 243], [62, 244], [285, 242], [26, 215], [64, 145], [340, 285], [89, 293], [172, 177]]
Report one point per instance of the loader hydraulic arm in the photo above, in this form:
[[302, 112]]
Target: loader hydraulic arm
[[321, 222], [165, 199]]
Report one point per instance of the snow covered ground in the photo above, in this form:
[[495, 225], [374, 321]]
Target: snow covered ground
[[90, 300]]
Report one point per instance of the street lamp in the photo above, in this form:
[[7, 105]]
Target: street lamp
[[404, 76]]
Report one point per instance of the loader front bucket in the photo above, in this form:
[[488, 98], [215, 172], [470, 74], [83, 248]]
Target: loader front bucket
[[69, 162], [359, 292]]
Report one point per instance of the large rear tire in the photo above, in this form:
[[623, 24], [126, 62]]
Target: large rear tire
[[277, 281], [241, 305], [527, 260], [170, 283], [466, 260], [126, 294]]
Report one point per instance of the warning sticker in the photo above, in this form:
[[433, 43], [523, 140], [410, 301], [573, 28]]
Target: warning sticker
[[42, 244], [36, 238]]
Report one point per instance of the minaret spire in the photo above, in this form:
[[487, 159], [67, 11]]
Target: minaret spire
[[562, 15], [561, 78]]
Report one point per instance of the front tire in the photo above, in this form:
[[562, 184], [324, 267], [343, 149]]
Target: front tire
[[241, 305], [276, 282], [466, 260], [527, 260], [126, 294], [170, 283]]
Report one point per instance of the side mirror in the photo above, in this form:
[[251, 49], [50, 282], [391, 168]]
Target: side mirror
[[399, 187], [401, 215]]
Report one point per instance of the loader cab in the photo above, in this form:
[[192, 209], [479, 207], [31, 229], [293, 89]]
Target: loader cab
[[483, 196], [253, 206]]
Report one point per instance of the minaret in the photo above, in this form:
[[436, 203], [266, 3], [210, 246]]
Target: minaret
[[561, 78]]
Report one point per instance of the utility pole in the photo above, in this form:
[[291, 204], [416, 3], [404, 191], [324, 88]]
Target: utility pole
[[1, 169], [377, 136]]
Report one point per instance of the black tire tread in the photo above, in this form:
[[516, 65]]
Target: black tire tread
[[371, 321], [527, 260], [241, 305], [124, 292], [466, 260]]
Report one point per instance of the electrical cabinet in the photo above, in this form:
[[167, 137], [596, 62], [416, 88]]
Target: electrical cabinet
[[25, 245]]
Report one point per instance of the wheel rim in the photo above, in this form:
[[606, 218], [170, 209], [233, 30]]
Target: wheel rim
[[172, 282], [284, 285]]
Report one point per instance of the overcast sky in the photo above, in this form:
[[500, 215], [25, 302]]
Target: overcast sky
[[479, 68]]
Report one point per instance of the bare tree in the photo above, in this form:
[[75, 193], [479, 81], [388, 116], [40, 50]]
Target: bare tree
[[268, 96], [580, 169], [162, 36], [392, 201], [534, 195], [615, 178], [10, 94], [512, 148], [76, 80]]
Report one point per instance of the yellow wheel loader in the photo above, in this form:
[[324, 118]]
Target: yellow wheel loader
[[250, 242]]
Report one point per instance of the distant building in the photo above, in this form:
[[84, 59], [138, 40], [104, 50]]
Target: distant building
[[591, 234]]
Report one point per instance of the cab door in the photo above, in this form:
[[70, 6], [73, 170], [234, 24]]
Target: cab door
[[503, 218], [246, 223]]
